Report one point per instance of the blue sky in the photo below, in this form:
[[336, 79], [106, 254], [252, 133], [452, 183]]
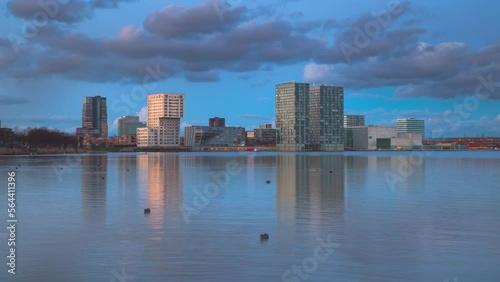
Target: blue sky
[[436, 60]]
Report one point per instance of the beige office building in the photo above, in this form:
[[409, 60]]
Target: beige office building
[[164, 114]]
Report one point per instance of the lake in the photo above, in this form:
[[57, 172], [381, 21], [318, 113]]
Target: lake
[[353, 216]]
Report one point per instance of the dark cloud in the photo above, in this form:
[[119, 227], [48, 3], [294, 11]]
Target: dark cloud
[[7, 55], [369, 35], [445, 70], [10, 100], [207, 17], [199, 42], [59, 11]]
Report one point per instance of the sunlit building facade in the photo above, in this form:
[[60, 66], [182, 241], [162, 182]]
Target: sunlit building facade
[[164, 114]]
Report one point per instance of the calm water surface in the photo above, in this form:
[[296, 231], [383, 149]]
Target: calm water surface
[[331, 217]]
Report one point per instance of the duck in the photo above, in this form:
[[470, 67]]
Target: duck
[[264, 237], [147, 211]]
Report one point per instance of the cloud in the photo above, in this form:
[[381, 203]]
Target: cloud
[[318, 73], [7, 55], [442, 71], [176, 21], [66, 12], [9, 100], [369, 96], [196, 43], [143, 114], [75, 56]]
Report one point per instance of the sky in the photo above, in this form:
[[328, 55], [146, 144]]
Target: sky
[[433, 60]]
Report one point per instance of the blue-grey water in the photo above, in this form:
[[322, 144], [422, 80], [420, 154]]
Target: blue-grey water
[[379, 216]]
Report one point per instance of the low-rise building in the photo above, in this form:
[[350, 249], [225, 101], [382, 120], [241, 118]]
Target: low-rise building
[[210, 136], [469, 142], [217, 122], [123, 125], [380, 137], [354, 120], [84, 132], [265, 136], [6, 136], [128, 140], [133, 126]]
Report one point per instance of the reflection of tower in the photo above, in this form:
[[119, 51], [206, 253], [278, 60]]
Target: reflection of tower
[[333, 184], [311, 188], [164, 187], [127, 177], [356, 172], [94, 184], [286, 193]]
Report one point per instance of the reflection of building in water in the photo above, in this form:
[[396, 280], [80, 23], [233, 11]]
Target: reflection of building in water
[[404, 172], [286, 190], [411, 169], [94, 169], [356, 172], [162, 173], [126, 168], [307, 190]]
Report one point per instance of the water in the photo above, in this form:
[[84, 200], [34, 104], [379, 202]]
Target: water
[[377, 216]]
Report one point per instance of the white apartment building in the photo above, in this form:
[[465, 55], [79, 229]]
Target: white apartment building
[[164, 114]]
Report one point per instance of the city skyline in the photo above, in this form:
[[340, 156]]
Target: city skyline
[[228, 56]]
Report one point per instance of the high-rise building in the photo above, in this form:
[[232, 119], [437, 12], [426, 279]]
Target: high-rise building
[[292, 116], [123, 124], [164, 105], [164, 114], [309, 118], [354, 120], [409, 125], [217, 122], [95, 115], [326, 117]]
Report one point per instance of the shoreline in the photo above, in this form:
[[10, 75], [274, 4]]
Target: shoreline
[[24, 152]]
